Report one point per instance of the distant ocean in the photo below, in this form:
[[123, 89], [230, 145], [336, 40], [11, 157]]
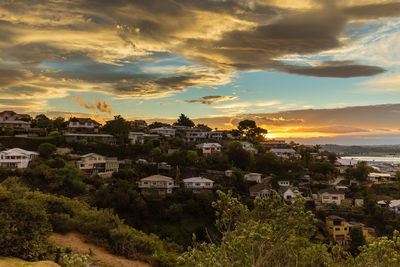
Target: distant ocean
[[387, 159]]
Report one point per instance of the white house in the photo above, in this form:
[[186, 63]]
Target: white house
[[136, 137], [249, 147], [283, 183], [16, 158], [95, 163], [195, 135], [393, 205], [288, 193], [228, 173], [283, 152], [253, 177], [164, 131], [376, 176], [85, 125], [209, 148], [347, 162], [198, 184], [260, 190], [9, 118], [156, 185], [329, 196], [215, 135]]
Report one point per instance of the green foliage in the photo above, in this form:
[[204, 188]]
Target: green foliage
[[24, 227], [46, 150], [357, 239], [184, 121], [34, 211], [118, 127], [359, 172]]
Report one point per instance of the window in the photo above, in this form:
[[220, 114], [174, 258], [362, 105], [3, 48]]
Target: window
[[337, 229], [334, 198]]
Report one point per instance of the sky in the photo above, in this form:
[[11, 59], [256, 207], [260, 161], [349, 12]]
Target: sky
[[312, 71]]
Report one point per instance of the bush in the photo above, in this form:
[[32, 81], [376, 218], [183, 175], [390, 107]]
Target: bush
[[46, 150]]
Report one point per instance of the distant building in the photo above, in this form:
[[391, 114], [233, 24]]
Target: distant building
[[83, 125], [16, 158], [253, 177], [86, 137], [260, 190], [339, 229], [218, 135], [346, 162], [393, 205], [209, 148], [283, 183], [249, 147], [196, 135], [273, 143], [136, 137], [198, 184], [289, 193], [330, 196], [93, 163], [140, 124], [283, 152], [164, 131], [9, 118], [381, 177], [156, 185], [228, 173]]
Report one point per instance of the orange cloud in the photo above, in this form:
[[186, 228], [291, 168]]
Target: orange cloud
[[101, 106]]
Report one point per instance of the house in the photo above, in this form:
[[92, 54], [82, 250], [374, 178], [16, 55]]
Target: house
[[198, 184], [283, 183], [253, 177], [283, 152], [376, 176], [83, 125], [249, 147], [339, 229], [164, 131], [97, 164], [260, 190], [163, 166], [9, 118], [289, 193], [209, 148], [228, 173], [86, 137], [16, 158], [196, 135], [330, 196], [341, 187], [273, 143], [156, 185], [346, 162], [393, 205], [215, 135], [140, 124], [136, 137], [358, 202]]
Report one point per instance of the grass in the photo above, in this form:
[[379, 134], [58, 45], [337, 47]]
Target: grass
[[15, 262]]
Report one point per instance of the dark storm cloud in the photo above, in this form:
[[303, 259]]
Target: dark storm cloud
[[374, 10]]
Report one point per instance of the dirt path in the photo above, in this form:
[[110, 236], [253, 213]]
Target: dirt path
[[100, 255]]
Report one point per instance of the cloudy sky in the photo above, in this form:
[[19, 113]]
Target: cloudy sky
[[317, 71]]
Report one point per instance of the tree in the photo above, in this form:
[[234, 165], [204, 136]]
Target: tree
[[158, 124], [357, 239], [46, 150], [360, 172], [272, 234], [204, 127], [249, 128], [118, 127], [59, 123], [184, 121], [42, 121], [24, 227]]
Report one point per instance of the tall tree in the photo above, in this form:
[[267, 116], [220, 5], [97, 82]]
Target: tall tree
[[250, 129], [118, 127], [184, 121]]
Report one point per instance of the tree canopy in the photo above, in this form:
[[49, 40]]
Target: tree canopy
[[183, 120]]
